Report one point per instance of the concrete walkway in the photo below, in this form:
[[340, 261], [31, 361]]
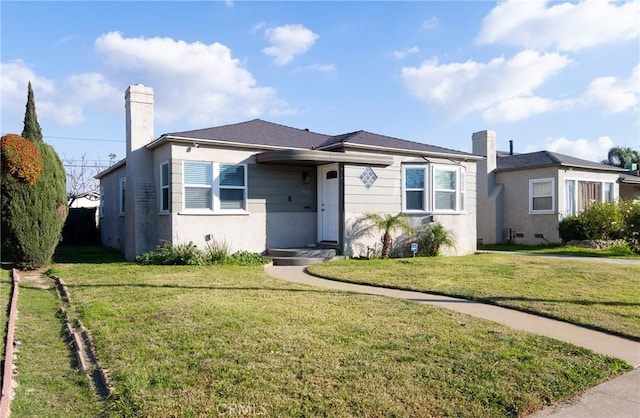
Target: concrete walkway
[[619, 397]]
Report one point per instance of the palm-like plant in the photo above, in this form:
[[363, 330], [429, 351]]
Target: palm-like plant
[[388, 223], [621, 156]]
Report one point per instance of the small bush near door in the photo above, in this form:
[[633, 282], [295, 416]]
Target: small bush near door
[[431, 238], [216, 253]]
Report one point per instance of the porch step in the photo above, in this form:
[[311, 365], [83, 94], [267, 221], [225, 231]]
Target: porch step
[[299, 256]]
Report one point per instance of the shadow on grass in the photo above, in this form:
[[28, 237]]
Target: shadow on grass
[[87, 254], [176, 286], [507, 299]]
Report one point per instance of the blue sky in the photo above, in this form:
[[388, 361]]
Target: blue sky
[[562, 76]]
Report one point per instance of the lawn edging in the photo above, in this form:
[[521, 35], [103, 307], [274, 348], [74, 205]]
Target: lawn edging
[[481, 300], [7, 372], [84, 346]]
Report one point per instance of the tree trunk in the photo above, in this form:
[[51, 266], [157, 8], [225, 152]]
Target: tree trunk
[[387, 242]]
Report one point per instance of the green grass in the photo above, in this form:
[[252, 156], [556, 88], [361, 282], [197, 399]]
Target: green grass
[[5, 300], [49, 384], [561, 249], [600, 295], [198, 341]]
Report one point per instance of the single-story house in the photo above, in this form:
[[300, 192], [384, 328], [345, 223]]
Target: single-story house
[[521, 198], [630, 184], [258, 185]]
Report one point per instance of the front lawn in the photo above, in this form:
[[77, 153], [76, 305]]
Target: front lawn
[[621, 251], [600, 295], [201, 341]]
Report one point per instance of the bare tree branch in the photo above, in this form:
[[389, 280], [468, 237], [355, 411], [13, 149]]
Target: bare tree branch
[[80, 181]]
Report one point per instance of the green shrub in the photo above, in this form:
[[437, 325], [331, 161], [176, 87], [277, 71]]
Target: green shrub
[[246, 258], [572, 228], [32, 215], [605, 222], [431, 238], [173, 255], [217, 252]]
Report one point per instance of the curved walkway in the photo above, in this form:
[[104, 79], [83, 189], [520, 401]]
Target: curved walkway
[[616, 398]]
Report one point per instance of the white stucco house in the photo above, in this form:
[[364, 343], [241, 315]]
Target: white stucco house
[[257, 185], [521, 198]]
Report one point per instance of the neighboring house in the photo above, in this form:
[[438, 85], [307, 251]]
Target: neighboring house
[[523, 197], [630, 184], [258, 185]]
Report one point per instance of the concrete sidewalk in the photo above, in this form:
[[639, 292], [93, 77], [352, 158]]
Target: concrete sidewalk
[[619, 397]]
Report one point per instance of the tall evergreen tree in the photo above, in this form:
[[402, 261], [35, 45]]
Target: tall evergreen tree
[[33, 215]]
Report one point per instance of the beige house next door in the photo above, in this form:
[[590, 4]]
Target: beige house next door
[[328, 190]]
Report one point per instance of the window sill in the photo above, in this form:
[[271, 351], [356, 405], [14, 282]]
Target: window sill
[[212, 213], [542, 212]]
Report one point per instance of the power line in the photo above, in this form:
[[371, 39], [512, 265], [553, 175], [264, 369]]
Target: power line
[[85, 139]]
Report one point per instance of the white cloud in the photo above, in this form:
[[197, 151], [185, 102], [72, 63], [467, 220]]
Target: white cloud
[[201, 83], [614, 94], [288, 41], [430, 23], [518, 108], [563, 26], [592, 150], [461, 88], [406, 51], [52, 103], [258, 26]]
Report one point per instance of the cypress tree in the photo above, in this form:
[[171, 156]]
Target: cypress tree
[[33, 215]]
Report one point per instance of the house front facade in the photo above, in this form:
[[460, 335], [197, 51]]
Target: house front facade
[[523, 197], [258, 185]]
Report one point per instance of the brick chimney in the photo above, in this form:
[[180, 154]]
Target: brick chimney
[[140, 197]]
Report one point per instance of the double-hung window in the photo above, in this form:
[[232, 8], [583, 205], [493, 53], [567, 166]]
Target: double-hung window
[[215, 187], [415, 193], [433, 188], [232, 186], [445, 188], [541, 196], [165, 188]]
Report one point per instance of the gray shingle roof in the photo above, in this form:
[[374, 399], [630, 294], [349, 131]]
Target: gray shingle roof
[[383, 141], [259, 132], [546, 159]]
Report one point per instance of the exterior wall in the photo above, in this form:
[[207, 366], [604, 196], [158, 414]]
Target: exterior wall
[[282, 206], [111, 222], [385, 197], [163, 223], [524, 225], [535, 229]]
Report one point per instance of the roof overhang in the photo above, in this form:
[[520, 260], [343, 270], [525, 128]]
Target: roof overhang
[[211, 142], [111, 169], [629, 179], [612, 170], [403, 151], [315, 157]]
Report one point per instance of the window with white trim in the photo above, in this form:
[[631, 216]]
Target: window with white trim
[[415, 194], [541, 196], [579, 194], [433, 187], [214, 187], [123, 190], [165, 188]]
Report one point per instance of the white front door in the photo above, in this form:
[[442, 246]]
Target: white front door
[[328, 203]]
